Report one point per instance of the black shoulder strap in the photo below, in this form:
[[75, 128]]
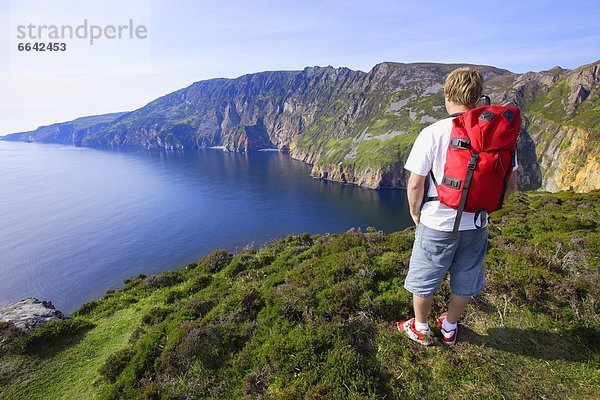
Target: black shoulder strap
[[426, 196], [433, 179], [465, 192]]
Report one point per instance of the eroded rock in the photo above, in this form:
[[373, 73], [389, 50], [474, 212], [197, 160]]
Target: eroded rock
[[30, 312]]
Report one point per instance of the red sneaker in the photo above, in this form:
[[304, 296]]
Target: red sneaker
[[448, 337], [408, 327]]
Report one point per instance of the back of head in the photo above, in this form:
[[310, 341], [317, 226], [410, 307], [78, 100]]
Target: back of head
[[464, 86]]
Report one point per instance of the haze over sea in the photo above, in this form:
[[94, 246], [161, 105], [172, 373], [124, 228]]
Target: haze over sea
[[75, 222]]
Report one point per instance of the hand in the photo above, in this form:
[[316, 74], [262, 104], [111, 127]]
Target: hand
[[416, 217]]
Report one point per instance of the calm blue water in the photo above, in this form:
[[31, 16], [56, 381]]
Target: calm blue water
[[75, 222]]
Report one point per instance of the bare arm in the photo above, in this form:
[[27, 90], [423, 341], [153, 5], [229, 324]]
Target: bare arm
[[415, 189]]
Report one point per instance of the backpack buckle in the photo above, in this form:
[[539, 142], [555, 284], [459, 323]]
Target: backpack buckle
[[487, 115], [451, 182], [473, 161], [460, 143]]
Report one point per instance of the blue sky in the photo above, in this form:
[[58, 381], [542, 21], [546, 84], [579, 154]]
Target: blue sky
[[194, 40]]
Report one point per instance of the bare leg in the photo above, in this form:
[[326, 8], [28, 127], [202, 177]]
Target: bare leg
[[456, 307], [422, 305]]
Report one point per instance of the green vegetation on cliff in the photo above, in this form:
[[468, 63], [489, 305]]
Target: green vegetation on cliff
[[379, 153], [571, 100], [313, 317]]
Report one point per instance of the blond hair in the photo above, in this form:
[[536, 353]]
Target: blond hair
[[464, 86]]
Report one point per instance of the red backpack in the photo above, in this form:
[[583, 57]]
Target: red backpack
[[479, 161]]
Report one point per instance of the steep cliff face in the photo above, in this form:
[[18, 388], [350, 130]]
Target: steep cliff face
[[386, 177], [358, 127], [562, 111], [363, 135], [567, 155]]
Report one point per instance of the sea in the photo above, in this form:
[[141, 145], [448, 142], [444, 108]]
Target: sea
[[77, 221]]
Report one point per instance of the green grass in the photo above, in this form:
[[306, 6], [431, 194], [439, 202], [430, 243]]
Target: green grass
[[377, 153], [550, 105], [588, 115], [312, 316], [69, 369], [426, 103], [335, 150]]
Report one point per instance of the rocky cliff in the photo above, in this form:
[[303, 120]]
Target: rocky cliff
[[29, 313], [358, 127], [562, 120]]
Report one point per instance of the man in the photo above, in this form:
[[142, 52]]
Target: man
[[436, 250]]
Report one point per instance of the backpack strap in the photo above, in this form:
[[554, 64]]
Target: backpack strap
[[480, 215], [433, 198], [465, 192], [506, 179], [426, 196], [433, 178]]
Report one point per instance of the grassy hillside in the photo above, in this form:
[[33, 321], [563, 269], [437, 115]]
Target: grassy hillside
[[313, 317]]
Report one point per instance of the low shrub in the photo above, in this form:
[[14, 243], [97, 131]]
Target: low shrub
[[10, 338], [215, 261], [165, 279], [156, 315]]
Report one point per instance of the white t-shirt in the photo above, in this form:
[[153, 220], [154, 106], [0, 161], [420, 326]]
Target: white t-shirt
[[429, 154]]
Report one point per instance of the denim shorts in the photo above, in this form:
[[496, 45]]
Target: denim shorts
[[435, 253]]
